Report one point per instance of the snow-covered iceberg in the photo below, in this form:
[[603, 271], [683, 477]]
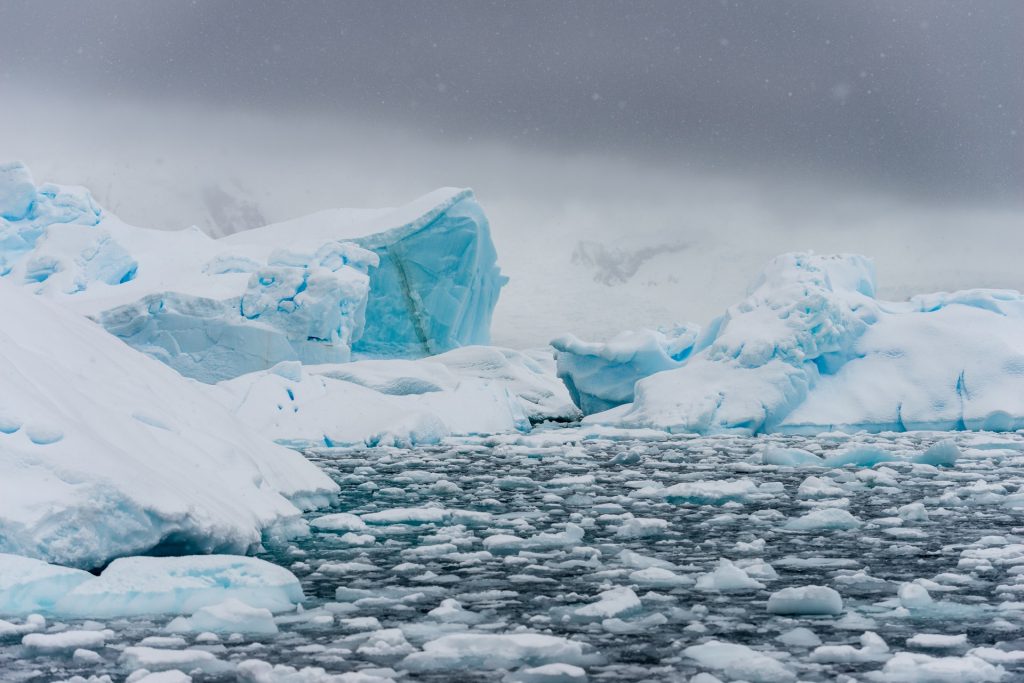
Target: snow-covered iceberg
[[602, 376], [471, 390], [811, 349], [105, 452], [412, 281]]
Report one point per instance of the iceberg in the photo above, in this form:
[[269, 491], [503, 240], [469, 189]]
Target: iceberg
[[107, 452], [470, 390], [413, 281], [811, 349], [602, 376]]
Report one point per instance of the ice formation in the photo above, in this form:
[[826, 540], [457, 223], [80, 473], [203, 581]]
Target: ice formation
[[107, 452], [413, 281], [602, 376], [471, 390], [811, 349]]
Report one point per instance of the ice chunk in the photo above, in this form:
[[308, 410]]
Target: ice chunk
[[907, 667], [49, 643], [601, 376], [739, 662], [872, 648], [789, 457], [181, 585], [230, 616], [28, 585], [937, 641], [615, 602], [153, 659], [825, 519], [805, 600], [799, 637], [497, 651], [170, 466], [549, 673], [727, 578]]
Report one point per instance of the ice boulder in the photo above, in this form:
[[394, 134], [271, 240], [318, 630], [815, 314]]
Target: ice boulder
[[601, 376], [107, 452], [413, 281], [811, 349]]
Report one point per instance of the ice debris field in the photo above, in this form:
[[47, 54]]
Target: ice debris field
[[291, 455], [566, 556]]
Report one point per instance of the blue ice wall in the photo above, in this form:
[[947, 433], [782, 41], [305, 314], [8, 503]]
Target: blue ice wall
[[436, 286]]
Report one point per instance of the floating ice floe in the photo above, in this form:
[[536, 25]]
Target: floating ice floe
[[805, 600], [135, 586]]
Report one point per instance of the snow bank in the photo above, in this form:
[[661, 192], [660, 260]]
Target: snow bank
[[472, 390], [811, 349], [216, 309], [108, 453]]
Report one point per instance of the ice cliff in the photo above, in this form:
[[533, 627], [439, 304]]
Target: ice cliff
[[105, 452], [412, 281], [811, 349]]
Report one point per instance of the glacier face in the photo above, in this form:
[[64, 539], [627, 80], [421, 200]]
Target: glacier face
[[811, 349], [413, 281], [107, 452]]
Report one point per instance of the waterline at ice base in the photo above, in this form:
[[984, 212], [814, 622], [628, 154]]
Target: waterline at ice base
[[291, 454]]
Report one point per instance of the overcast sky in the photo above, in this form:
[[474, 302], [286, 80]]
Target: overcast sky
[[922, 96]]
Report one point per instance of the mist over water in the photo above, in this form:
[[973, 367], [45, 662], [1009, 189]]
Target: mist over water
[[638, 162]]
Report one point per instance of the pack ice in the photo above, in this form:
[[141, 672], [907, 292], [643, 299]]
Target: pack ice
[[812, 349], [107, 452], [413, 281]]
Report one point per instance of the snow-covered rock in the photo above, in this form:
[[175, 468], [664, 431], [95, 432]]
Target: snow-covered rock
[[107, 452], [811, 349], [417, 280]]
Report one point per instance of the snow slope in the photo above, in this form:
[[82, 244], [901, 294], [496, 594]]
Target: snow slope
[[811, 349], [106, 452], [426, 281]]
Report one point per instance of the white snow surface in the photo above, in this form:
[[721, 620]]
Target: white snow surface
[[107, 452]]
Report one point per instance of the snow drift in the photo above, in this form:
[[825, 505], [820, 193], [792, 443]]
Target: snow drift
[[811, 349], [106, 452]]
